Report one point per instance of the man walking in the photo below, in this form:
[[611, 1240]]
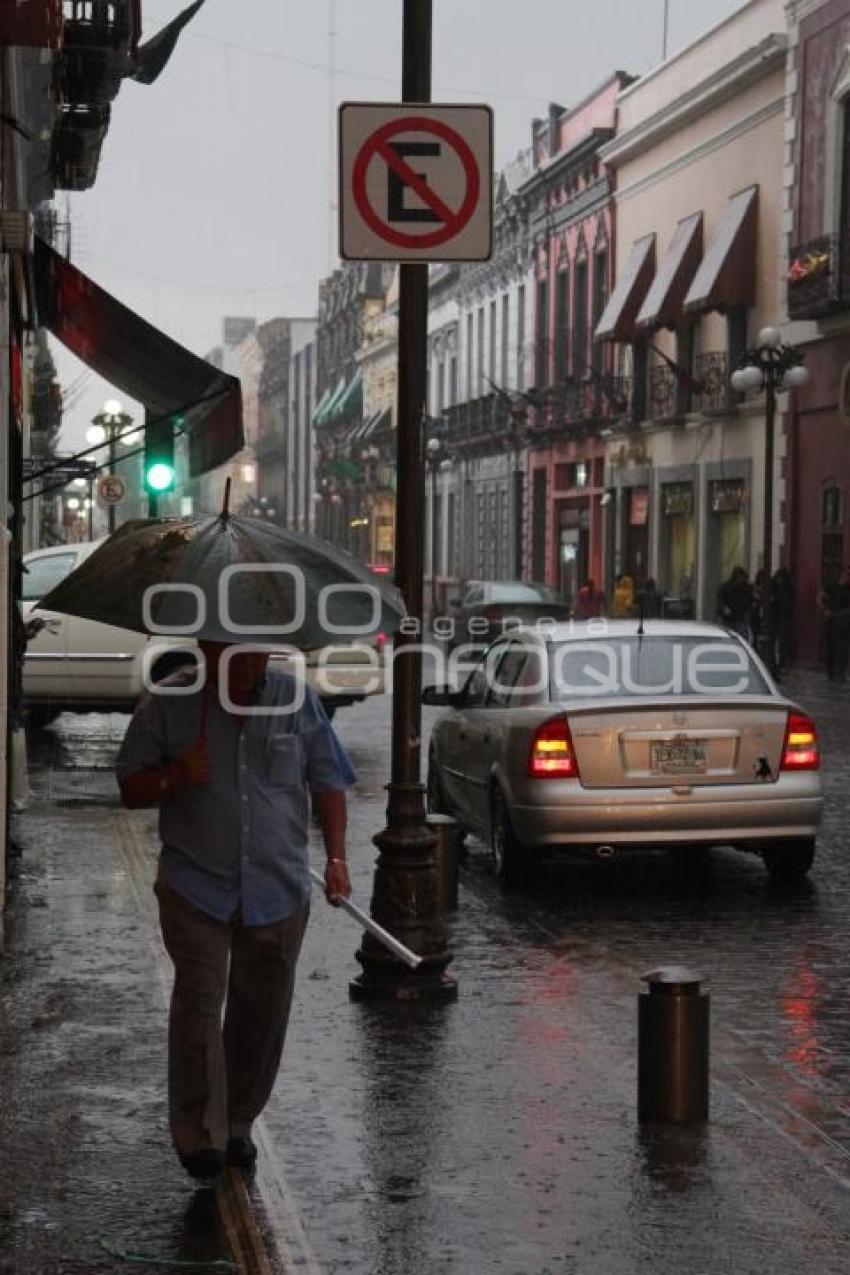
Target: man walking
[[232, 766]]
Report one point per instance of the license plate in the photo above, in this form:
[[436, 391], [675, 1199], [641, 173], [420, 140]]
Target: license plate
[[678, 757]]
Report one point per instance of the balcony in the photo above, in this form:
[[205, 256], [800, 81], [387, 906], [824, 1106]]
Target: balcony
[[97, 38], [673, 394], [819, 277], [77, 140]]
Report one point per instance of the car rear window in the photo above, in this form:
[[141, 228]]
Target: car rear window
[[614, 667], [43, 574], [521, 593]]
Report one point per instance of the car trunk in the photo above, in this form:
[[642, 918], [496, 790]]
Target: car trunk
[[679, 742]]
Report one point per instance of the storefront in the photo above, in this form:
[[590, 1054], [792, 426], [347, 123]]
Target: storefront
[[678, 545], [726, 536]]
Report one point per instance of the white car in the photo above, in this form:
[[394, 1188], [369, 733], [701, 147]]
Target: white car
[[79, 665]]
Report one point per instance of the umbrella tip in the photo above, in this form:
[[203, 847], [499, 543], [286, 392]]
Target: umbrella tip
[[225, 508]]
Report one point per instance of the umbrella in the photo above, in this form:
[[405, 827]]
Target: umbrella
[[237, 577]]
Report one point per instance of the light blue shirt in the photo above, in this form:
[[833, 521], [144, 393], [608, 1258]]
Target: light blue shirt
[[240, 841]]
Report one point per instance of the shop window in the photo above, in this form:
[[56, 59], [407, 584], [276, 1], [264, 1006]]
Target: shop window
[[678, 539]]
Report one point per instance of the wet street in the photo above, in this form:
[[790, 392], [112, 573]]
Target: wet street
[[497, 1134]]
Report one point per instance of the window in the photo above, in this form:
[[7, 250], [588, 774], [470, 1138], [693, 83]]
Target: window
[[452, 381], [504, 680], [653, 666], [469, 323], [494, 371], [441, 387], [479, 377], [538, 523], [520, 337], [43, 574], [580, 320], [541, 340], [506, 337], [562, 312], [600, 292]]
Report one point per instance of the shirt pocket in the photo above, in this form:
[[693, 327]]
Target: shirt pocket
[[285, 761]]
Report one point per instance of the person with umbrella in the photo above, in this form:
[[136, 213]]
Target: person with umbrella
[[232, 767], [231, 751]]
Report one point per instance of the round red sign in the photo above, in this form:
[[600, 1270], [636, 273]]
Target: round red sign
[[377, 147]]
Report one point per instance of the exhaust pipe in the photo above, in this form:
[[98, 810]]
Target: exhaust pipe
[[605, 852]]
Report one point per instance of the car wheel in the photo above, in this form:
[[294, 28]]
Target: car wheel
[[437, 804], [511, 863], [791, 860]]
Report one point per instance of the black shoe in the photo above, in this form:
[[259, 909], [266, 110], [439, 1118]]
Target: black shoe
[[204, 1165], [241, 1153]]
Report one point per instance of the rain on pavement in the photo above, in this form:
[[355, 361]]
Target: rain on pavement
[[497, 1134]]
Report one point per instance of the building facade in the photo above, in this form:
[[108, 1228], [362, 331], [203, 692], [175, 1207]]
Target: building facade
[[816, 269], [575, 393], [698, 162], [297, 455], [480, 366]]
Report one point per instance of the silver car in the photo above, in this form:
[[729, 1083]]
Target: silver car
[[608, 735]]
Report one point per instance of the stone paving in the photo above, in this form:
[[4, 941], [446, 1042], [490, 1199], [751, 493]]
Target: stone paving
[[497, 1134]]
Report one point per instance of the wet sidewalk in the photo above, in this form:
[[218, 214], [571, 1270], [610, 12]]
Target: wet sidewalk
[[496, 1135]]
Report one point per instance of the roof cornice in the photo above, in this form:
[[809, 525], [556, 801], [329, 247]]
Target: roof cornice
[[727, 82]]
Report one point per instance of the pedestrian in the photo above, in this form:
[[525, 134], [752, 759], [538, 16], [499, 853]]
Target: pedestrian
[[649, 600], [590, 602], [232, 766], [834, 603], [623, 598], [782, 614], [735, 603]]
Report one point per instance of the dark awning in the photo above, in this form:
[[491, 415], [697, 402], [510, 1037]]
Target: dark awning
[[141, 361], [727, 275], [618, 318], [662, 306]]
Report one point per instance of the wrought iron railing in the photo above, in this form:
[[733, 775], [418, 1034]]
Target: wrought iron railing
[[664, 396], [713, 392]]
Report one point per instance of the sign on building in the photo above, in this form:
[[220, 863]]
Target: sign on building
[[415, 182]]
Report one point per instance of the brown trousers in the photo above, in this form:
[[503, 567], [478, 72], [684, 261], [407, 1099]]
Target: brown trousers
[[219, 1080]]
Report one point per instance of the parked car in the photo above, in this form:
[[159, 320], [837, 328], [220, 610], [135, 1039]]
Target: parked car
[[489, 608], [670, 734], [79, 665]]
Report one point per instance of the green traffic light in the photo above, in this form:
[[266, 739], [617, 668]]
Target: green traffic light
[[160, 477]]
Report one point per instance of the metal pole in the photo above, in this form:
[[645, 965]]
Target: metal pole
[[404, 898], [434, 538], [112, 458], [666, 31], [91, 509], [766, 643]]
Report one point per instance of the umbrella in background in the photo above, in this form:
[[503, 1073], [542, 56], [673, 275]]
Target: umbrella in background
[[319, 593]]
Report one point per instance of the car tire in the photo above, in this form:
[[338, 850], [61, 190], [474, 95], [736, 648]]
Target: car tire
[[435, 797], [790, 860], [511, 863]]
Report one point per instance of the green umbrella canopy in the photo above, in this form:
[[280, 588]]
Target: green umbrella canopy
[[319, 594]]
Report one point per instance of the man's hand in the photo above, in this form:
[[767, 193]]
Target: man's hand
[[337, 884], [192, 769]]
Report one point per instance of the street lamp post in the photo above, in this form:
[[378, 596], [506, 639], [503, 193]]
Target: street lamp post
[[435, 455], [107, 427], [772, 366]]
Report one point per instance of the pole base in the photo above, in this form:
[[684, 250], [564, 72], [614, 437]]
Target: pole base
[[405, 901]]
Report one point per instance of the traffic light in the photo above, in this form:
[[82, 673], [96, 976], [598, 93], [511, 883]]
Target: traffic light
[[159, 473]]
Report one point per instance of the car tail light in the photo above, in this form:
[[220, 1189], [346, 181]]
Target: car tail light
[[552, 755], [800, 750]]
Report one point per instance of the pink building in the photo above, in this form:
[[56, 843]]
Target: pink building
[[575, 393]]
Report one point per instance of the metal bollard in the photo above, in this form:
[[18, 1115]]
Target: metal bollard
[[447, 854], [673, 1047]]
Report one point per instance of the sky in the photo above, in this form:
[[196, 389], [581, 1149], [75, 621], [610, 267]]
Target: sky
[[214, 191]]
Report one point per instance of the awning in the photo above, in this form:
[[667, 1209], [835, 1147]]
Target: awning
[[322, 418], [351, 399], [618, 318], [727, 275], [141, 361], [662, 307]]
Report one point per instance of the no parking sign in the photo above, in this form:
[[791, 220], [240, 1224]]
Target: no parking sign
[[415, 182]]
